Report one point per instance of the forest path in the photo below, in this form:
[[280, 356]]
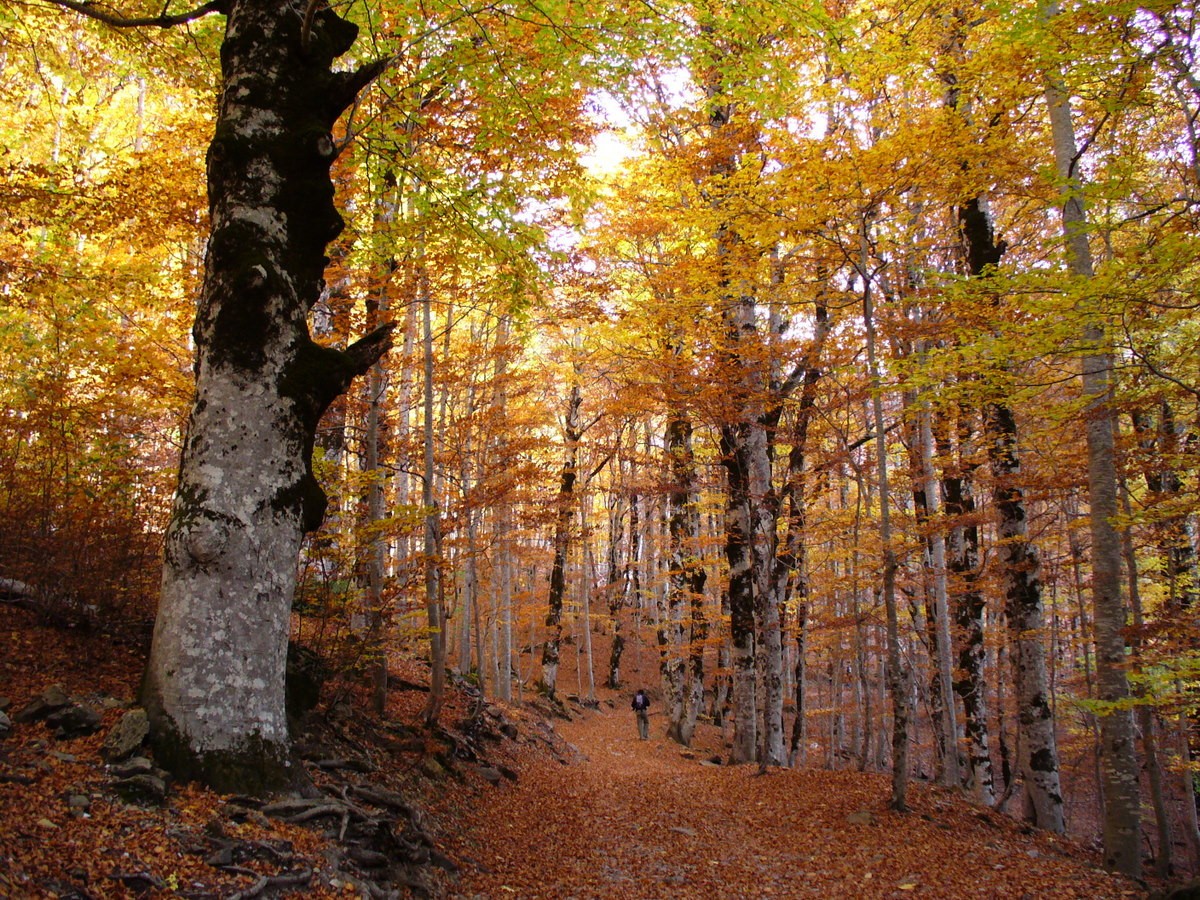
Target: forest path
[[648, 819]]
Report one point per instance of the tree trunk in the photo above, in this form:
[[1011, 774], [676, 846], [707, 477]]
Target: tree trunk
[[682, 666], [503, 538], [619, 577], [585, 599], [896, 674], [1122, 826], [562, 541], [1038, 760], [375, 541], [435, 607], [969, 614], [940, 631], [214, 684], [377, 663]]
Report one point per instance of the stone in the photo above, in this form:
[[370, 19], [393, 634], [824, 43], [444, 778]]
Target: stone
[[141, 789], [5, 724], [55, 696], [50, 700], [74, 721], [137, 765], [490, 775], [126, 736]]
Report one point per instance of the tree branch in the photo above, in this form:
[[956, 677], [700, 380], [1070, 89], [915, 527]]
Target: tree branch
[[366, 351], [91, 11], [345, 86]]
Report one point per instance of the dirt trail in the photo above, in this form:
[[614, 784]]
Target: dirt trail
[[640, 819]]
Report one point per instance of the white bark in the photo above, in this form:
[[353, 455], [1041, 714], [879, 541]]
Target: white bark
[[945, 666], [214, 684]]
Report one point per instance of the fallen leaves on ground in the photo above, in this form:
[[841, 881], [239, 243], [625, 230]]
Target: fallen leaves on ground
[[575, 809], [649, 819]]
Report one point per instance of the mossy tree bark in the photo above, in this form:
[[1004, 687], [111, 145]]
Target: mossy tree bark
[[214, 684]]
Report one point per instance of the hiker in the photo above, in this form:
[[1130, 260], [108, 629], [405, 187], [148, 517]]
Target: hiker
[[640, 705]]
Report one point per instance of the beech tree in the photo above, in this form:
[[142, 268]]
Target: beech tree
[[214, 685], [1122, 828]]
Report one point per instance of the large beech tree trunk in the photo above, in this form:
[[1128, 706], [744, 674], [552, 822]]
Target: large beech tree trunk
[[214, 684]]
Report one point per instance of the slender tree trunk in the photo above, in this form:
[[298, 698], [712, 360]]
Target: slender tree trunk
[[1038, 760], [585, 596], [471, 593], [405, 551], [1191, 825], [685, 590], [503, 562], [1145, 712], [941, 618], [739, 554], [969, 617], [793, 563], [1122, 826], [723, 685], [434, 605], [376, 543], [896, 674], [378, 307], [619, 577], [214, 684], [562, 540], [693, 703]]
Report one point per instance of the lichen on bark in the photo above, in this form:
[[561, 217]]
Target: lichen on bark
[[214, 685]]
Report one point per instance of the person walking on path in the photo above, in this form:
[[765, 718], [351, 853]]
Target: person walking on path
[[641, 705]]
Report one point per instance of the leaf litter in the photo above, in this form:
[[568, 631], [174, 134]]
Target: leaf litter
[[573, 807]]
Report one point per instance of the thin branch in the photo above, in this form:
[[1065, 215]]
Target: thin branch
[[91, 11], [1154, 369]]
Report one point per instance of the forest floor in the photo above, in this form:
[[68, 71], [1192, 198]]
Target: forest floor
[[503, 801], [619, 817]]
